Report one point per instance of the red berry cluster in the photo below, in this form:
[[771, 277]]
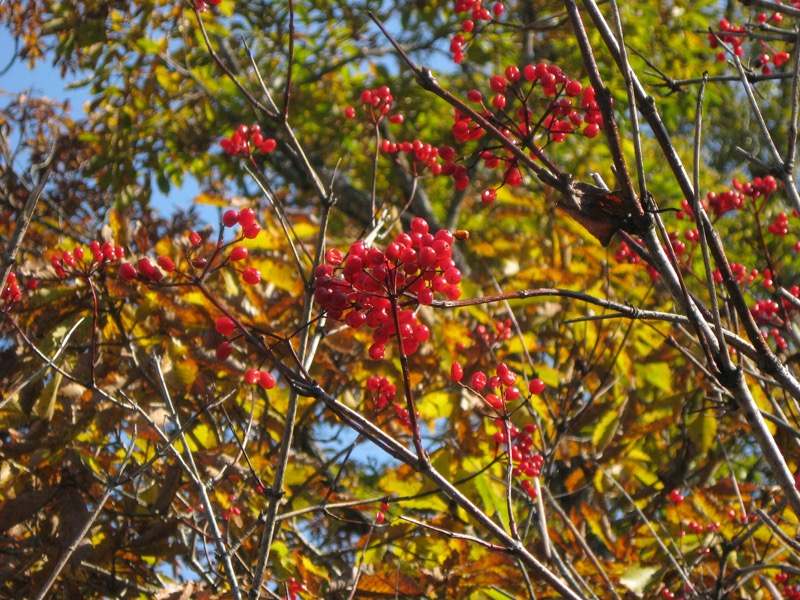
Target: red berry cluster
[[735, 36], [485, 338], [370, 284], [383, 393], [294, 587], [12, 293], [76, 262], [477, 13], [759, 187], [676, 497], [625, 254], [790, 592], [422, 156], [740, 274], [233, 510], [769, 314], [502, 389], [377, 104], [380, 516], [564, 115], [733, 199], [261, 378], [527, 462], [780, 226], [147, 272], [246, 140], [724, 201]]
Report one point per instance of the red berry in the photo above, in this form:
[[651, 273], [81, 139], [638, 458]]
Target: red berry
[[251, 376], [779, 58], [230, 218], [266, 380], [573, 88], [419, 225], [166, 264], [349, 112], [238, 253], [224, 351], [478, 381], [225, 326], [251, 275], [195, 239], [536, 386], [498, 83], [512, 73], [456, 372], [127, 271], [246, 216], [377, 351], [591, 130], [251, 230], [489, 196], [334, 257]]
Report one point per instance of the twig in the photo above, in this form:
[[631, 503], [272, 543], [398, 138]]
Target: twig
[[23, 222], [649, 525], [453, 534], [70, 550], [200, 486]]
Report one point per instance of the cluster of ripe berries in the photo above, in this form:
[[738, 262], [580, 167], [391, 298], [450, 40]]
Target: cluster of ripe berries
[[70, 263], [732, 199], [496, 392], [477, 13], [147, 272], [487, 339], [790, 592], [422, 156], [735, 36], [12, 293], [246, 141], [294, 587], [377, 105], [383, 393], [381, 288], [570, 106], [226, 327]]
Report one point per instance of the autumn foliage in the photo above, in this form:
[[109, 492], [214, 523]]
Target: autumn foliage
[[473, 300]]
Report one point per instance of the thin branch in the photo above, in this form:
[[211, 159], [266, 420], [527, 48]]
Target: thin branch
[[219, 543], [70, 550], [23, 222]]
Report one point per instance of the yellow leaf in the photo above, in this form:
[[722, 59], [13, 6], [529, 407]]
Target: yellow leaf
[[605, 429], [211, 200], [45, 405]]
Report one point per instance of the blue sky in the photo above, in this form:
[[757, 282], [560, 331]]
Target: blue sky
[[46, 81]]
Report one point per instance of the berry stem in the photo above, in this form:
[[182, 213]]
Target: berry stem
[[422, 456], [512, 523]]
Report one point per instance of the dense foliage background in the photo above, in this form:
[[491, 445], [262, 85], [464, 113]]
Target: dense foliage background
[[599, 399]]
